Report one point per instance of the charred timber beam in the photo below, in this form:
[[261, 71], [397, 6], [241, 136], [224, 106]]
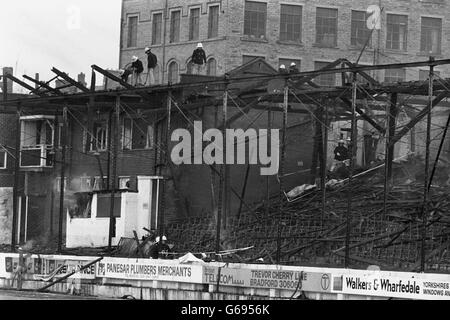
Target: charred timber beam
[[119, 80], [66, 77], [420, 116], [43, 85], [23, 84], [348, 106]]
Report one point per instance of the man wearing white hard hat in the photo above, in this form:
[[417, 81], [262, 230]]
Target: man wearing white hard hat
[[160, 249], [199, 58], [152, 61], [293, 68], [138, 68], [282, 69]]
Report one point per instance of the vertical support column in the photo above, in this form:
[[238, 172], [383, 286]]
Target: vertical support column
[[393, 111], [324, 164], [281, 169], [16, 206], [62, 179], [427, 170], [113, 180], [91, 106], [353, 149], [5, 86], [109, 148], [165, 156], [222, 202], [269, 140], [441, 146], [391, 114], [226, 168]]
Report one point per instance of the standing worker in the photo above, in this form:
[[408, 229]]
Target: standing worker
[[138, 68], [293, 68], [340, 155], [160, 249], [152, 61], [282, 69], [199, 58]]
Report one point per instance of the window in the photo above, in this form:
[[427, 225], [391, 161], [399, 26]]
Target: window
[[37, 141], [157, 28], [37, 133], [58, 184], [194, 21], [127, 134], [173, 72], [255, 19], [137, 134], [326, 27], [424, 74], [100, 183], [3, 159], [431, 34], [325, 79], [124, 183], [132, 32], [86, 184], [175, 26], [100, 142], [150, 141], [156, 74], [287, 63], [211, 67], [213, 22], [394, 75], [246, 58], [291, 23], [189, 67], [359, 31], [104, 205], [397, 32]]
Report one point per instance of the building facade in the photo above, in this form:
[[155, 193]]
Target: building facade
[[310, 33]]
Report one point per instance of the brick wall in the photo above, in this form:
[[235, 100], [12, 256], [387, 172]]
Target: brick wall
[[229, 47], [7, 139], [5, 215]]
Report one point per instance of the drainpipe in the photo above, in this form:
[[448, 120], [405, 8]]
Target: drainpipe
[[121, 34], [164, 42]]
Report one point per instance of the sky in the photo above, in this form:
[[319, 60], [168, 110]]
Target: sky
[[70, 35]]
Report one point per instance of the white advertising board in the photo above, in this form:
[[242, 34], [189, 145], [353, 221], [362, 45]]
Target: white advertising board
[[148, 269]]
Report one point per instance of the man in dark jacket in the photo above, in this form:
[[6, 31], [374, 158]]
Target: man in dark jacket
[[340, 155], [293, 68], [160, 249], [152, 61], [138, 68], [199, 58]]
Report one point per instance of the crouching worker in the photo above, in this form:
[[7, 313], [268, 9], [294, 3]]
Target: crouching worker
[[160, 249]]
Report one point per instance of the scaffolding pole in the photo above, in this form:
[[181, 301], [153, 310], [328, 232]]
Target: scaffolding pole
[[427, 169], [62, 179], [353, 148], [391, 114], [166, 159], [221, 206], [324, 164], [269, 140], [16, 212], [113, 180], [281, 169]]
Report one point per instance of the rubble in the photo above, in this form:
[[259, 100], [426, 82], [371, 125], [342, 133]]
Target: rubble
[[309, 237]]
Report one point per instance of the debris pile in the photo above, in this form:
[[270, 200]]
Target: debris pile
[[310, 236]]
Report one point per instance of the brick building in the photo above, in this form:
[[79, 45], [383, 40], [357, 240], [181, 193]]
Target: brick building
[[309, 33], [234, 33]]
